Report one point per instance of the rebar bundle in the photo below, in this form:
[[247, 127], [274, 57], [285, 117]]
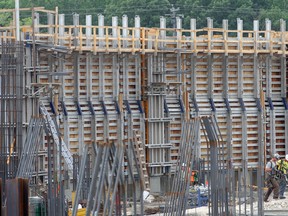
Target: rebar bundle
[[11, 99], [176, 203], [30, 148]]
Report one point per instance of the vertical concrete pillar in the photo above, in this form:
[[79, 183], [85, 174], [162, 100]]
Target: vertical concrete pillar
[[137, 31], [101, 31], [88, 30], [50, 18], [179, 33], [61, 28], [124, 30], [76, 29], [115, 32]]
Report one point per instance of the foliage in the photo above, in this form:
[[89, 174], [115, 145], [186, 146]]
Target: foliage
[[6, 19], [151, 10]]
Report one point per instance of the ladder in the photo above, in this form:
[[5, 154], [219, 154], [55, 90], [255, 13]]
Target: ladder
[[141, 160], [52, 128]]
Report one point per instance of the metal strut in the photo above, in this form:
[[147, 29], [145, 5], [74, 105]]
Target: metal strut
[[52, 128]]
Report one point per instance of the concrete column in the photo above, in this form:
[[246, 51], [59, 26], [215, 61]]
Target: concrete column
[[61, 28], [88, 30], [101, 31], [125, 30]]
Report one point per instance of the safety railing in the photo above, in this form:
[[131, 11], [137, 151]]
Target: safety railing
[[100, 38]]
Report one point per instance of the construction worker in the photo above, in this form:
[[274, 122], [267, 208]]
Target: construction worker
[[194, 178], [282, 167], [270, 169]]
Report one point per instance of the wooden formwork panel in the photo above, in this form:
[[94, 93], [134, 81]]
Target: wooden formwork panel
[[74, 127], [204, 105], [253, 137], [220, 105], [138, 117], [87, 130], [232, 70], [278, 104], [237, 138], [101, 69], [129, 71], [71, 107], [218, 76], [280, 132], [222, 138], [69, 79], [80, 131], [99, 127], [113, 128], [250, 104], [105, 81], [97, 107], [206, 153], [95, 76], [276, 76], [175, 126], [110, 107], [202, 43], [276, 127], [107, 76], [235, 105], [43, 66], [248, 75], [201, 71], [82, 71], [85, 109], [137, 122], [171, 67], [222, 124]]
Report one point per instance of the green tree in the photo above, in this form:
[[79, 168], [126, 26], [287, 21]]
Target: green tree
[[149, 11]]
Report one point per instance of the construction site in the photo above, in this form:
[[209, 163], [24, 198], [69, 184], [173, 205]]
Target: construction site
[[106, 116]]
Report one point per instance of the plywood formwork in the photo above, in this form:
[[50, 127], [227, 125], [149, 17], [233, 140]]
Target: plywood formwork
[[113, 79]]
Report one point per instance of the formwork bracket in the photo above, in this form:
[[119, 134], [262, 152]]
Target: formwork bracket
[[270, 102], [79, 111], [182, 109], [258, 103], [52, 107], [227, 104], [126, 102], [211, 101], [242, 104], [117, 107], [91, 108], [64, 108], [104, 107], [194, 101], [166, 109], [285, 103], [140, 106]]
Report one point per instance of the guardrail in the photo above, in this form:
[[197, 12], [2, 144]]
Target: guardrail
[[116, 38]]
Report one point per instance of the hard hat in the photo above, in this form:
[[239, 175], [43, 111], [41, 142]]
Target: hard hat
[[277, 156], [286, 157]]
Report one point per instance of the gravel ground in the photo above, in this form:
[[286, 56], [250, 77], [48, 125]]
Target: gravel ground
[[272, 205], [277, 204]]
